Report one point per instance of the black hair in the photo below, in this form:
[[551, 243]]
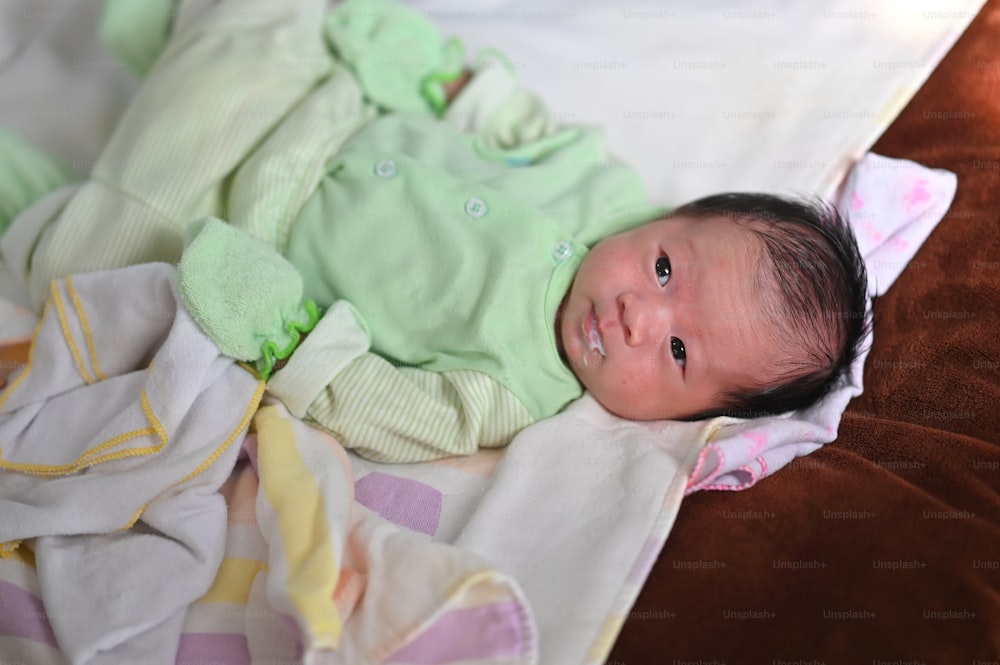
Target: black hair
[[822, 285]]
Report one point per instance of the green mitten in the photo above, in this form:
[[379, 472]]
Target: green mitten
[[396, 53], [243, 294], [26, 175]]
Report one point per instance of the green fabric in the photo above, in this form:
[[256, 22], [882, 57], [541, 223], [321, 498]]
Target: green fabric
[[26, 175], [396, 53], [243, 294], [466, 259], [136, 31]]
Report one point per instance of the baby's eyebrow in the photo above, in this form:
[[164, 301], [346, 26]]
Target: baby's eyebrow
[[694, 263], [690, 366], [692, 337], [689, 264]]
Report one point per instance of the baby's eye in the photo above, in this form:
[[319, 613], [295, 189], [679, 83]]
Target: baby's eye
[[677, 351], [663, 270]]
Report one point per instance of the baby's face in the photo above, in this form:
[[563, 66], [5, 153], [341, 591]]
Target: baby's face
[[662, 319]]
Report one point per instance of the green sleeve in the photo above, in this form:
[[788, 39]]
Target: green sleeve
[[396, 54], [136, 32], [401, 414], [389, 413]]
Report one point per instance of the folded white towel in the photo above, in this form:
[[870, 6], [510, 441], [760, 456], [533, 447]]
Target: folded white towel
[[115, 439]]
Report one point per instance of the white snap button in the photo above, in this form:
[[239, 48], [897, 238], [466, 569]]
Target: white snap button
[[476, 207], [562, 250], [385, 168]]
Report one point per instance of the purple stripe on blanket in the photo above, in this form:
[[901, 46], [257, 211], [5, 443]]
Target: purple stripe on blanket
[[220, 648], [405, 502], [22, 615], [474, 633]]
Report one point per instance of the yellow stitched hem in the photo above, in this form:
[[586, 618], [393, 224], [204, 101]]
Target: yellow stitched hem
[[87, 335], [92, 456], [211, 459], [242, 425], [31, 359], [67, 333]]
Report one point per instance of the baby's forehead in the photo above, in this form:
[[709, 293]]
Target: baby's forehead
[[748, 344], [743, 302], [716, 243]]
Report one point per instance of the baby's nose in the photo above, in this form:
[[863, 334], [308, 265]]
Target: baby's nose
[[642, 319]]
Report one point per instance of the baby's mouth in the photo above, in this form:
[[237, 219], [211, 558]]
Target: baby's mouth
[[593, 335]]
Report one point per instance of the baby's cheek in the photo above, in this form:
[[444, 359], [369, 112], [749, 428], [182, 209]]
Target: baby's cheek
[[631, 384], [577, 367], [637, 399]]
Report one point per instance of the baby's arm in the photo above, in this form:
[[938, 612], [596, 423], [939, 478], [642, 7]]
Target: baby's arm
[[401, 414]]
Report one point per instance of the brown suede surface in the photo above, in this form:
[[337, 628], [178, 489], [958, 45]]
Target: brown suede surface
[[885, 545]]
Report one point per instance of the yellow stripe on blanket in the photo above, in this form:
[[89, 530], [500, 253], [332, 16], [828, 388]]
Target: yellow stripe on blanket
[[605, 639], [291, 490], [233, 581]]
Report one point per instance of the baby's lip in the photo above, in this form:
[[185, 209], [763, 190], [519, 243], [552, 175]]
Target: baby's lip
[[592, 333]]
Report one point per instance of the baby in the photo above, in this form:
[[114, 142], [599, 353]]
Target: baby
[[735, 304]]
